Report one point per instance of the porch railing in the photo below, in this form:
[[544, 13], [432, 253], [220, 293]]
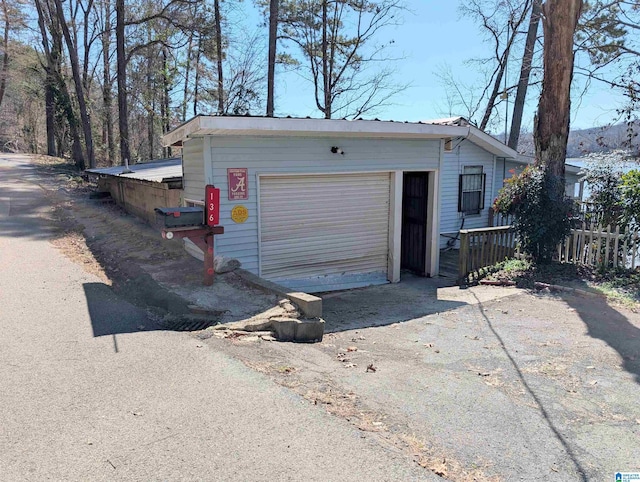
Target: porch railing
[[480, 248]]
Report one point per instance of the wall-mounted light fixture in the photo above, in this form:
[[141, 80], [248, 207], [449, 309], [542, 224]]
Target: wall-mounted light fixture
[[337, 150]]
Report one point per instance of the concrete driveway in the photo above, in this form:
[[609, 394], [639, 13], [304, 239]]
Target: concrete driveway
[[478, 384]]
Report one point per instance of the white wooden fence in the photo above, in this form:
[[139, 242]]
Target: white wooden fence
[[601, 247]]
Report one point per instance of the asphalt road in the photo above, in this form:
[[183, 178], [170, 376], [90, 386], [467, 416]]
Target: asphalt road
[[89, 389]]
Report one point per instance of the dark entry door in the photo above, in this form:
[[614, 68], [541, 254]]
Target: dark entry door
[[414, 221]]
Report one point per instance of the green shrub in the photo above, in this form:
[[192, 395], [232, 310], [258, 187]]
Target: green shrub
[[541, 209], [630, 199], [603, 176]]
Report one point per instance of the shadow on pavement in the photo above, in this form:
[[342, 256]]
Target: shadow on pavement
[[111, 315], [538, 402], [21, 212], [609, 325], [414, 297]]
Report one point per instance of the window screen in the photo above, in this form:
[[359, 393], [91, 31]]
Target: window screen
[[471, 190]]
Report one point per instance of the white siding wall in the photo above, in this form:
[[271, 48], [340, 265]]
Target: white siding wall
[[464, 154], [300, 155], [193, 169]]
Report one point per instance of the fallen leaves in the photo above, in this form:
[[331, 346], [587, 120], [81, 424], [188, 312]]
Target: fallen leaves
[[371, 368]]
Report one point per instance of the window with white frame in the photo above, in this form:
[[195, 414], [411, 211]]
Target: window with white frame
[[471, 190]]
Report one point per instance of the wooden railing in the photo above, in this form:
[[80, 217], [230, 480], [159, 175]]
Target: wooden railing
[[600, 247], [593, 246], [480, 248], [499, 219]]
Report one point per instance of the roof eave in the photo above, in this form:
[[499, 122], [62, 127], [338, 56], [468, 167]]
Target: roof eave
[[491, 144], [270, 127]]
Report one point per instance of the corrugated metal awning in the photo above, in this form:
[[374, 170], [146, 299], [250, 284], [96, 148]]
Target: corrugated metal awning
[[155, 171]]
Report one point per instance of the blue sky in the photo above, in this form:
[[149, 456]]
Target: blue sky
[[432, 35]]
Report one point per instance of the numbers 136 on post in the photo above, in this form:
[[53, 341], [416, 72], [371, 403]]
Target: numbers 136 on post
[[212, 205]]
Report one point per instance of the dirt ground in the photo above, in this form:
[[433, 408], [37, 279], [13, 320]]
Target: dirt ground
[[478, 384], [132, 257]]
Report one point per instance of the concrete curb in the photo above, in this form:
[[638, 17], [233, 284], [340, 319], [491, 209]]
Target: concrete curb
[[497, 283], [541, 286], [566, 289], [310, 306]]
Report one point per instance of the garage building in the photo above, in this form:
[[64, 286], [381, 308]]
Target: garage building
[[320, 205]]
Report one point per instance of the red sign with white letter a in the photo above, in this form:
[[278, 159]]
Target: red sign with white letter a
[[212, 205], [238, 188]]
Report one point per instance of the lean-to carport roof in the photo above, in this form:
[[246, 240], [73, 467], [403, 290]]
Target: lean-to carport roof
[[297, 127], [164, 170]]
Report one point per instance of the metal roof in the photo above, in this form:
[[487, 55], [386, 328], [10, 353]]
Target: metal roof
[[573, 169], [164, 170], [449, 121], [307, 127]]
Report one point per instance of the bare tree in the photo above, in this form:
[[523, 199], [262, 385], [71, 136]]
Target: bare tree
[[79, 87], [501, 22], [121, 69], [218, 39], [337, 40], [173, 14], [525, 72], [274, 6], [57, 94], [107, 84], [4, 68], [551, 125]]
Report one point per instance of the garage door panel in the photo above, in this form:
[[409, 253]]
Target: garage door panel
[[312, 257], [354, 247], [321, 205], [327, 269], [321, 230], [324, 225]]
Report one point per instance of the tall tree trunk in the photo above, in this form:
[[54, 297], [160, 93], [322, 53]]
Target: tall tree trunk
[[86, 79], [273, 42], [218, 29], [77, 81], [525, 72], [196, 82], [121, 61], [107, 89], [49, 110], [50, 82], [151, 109], [326, 81], [5, 51], [497, 85], [165, 99], [53, 53], [551, 125], [187, 71]]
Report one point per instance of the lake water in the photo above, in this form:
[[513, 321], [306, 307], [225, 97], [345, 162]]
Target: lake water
[[580, 162]]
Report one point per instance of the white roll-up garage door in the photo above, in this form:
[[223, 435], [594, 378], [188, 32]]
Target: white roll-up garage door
[[324, 232]]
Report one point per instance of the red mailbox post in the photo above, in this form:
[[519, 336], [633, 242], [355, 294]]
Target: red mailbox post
[[202, 236], [212, 205]]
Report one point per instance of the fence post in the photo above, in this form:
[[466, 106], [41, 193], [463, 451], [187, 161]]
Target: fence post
[[634, 252], [615, 247], [463, 255]]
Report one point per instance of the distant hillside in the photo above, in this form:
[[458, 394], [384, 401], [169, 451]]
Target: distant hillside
[[585, 141]]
